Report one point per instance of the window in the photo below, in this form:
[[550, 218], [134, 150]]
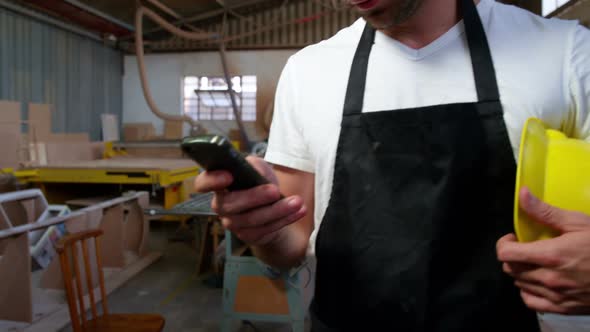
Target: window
[[550, 6], [208, 98]]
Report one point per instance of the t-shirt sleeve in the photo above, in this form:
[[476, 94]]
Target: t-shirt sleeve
[[286, 142], [579, 85]]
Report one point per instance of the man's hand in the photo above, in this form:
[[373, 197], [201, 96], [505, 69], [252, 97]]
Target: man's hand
[[255, 215], [553, 274]]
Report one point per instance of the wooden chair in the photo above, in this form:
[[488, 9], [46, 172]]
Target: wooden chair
[[68, 249]]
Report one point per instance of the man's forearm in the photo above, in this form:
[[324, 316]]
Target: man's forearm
[[287, 251]]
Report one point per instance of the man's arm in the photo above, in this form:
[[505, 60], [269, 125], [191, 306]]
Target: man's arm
[[275, 221], [290, 246]]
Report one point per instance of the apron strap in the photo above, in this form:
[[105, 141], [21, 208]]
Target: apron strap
[[355, 92], [481, 60], [481, 57]]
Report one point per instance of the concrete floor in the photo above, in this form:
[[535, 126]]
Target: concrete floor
[[170, 287]]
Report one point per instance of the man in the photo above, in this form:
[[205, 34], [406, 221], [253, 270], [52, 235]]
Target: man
[[393, 143]]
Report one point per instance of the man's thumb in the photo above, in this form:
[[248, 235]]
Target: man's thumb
[[561, 220]]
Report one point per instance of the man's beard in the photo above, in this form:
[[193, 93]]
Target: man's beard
[[407, 9], [397, 14]]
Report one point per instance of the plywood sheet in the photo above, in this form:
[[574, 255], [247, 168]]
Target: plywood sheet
[[68, 152], [10, 111], [154, 152], [16, 301], [134, 228], [112, 241], [128, 163], [10, 136], [139, 131], [260, 295], [69, 137], [39, 122]]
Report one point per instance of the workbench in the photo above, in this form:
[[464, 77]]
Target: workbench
[[162, 177]]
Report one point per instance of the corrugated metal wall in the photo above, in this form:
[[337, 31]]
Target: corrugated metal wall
[[298, 24], [41, 63]]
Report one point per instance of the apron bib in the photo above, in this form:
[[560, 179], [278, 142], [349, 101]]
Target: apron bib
[[420, 197]]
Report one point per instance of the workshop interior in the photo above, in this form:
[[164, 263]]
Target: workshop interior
[[99, 215]]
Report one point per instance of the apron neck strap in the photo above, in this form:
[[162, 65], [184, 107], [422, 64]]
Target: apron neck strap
[[481, 60], [481, 57]]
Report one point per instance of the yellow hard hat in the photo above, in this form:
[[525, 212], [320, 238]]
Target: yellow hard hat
[[554, 168]]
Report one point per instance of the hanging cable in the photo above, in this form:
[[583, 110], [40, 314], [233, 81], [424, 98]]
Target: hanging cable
[[141, 11], [237, 114]]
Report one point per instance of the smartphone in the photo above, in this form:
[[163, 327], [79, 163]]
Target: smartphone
[[215, 152]]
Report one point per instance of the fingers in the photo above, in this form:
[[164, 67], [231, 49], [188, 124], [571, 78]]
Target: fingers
[[554, 217], [265, 215], [542, 252], [542, 304], [515, 269], [542, 291], [260, 235], [212, 181], [232, 203]]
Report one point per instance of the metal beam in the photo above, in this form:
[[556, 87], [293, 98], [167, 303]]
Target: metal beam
[[48, 20], [100, 14]]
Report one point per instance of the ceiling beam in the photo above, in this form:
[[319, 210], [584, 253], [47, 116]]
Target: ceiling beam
[[172, 13], [49, 20], [100, 14]]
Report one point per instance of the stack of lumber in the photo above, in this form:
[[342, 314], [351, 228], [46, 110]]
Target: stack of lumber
[[39, 145]]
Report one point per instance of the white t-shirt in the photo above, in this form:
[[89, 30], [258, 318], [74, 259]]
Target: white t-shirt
[[542, 67]]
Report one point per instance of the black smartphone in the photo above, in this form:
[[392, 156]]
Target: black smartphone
[[216, 152]]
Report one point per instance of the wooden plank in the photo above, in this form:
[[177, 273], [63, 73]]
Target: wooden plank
[[114, 228], [128, 163], [135, 232], [58, 220], [154, 152], [69, 137], [173, 129], [14, 231], [16, 301], [85, 202], [39, 122], [61, 318]]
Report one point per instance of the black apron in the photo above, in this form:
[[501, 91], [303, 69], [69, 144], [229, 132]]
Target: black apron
[[420, 197]]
